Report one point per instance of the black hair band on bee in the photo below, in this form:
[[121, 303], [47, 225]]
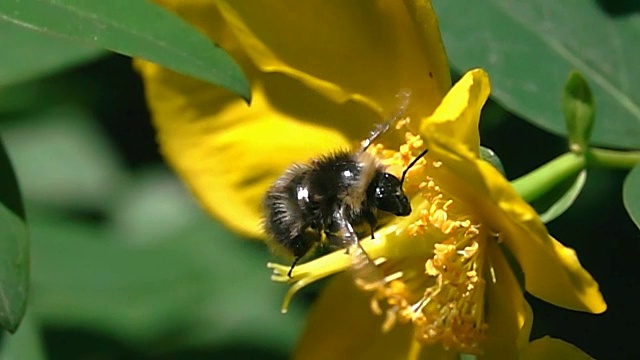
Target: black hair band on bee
[[413, 162]]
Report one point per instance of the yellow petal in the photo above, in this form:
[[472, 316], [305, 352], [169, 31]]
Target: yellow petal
[[561, 280], [422, 14], [548, 348], [346, 50], [552, 271], [342, 326], [507, 313], [455, 121]]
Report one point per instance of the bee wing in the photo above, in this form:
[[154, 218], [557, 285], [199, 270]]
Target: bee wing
[[365, 272], [403, 102]]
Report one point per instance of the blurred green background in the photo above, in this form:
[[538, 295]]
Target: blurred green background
[[126, 266]]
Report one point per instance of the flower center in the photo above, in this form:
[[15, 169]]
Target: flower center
[[445, 300]]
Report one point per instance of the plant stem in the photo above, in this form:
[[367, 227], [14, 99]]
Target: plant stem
[[613, 158], [538, 182]]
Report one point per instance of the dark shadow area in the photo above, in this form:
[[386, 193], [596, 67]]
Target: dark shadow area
[[517, 142], [83, 345], [79, 344], [608, 247], [119, 105], [619, 7]]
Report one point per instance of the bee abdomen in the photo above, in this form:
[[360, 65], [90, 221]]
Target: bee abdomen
[[287, 217]]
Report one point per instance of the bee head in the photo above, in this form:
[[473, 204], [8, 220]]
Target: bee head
[[387, 195]]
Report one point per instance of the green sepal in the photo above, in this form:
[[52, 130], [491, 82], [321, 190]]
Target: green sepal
[[579, 111], [560, 199], [492, 158]]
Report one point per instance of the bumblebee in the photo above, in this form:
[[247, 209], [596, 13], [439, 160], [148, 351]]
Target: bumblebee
[[335, 199]]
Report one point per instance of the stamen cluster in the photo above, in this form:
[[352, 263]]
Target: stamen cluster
[[445, 300]]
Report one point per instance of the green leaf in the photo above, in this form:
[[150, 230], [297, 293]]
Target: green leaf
[[26, 343], [528, 47], [14, 248], [561, 198], [187, 283], [152, 206], [631, 194], [198, 287], [136, 28], [27, 55], [579, 111], [64, 159], [19, 97]]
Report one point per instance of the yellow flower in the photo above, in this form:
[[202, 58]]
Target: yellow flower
[[449, 266], [322, 73]]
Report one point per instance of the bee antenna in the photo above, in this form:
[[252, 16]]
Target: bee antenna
[[413, 162], [295, 262]]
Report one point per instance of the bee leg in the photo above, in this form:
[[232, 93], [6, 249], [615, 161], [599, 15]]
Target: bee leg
[[365, 273], [336, 241], [339, 231], [370, 218], [302, 244]]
